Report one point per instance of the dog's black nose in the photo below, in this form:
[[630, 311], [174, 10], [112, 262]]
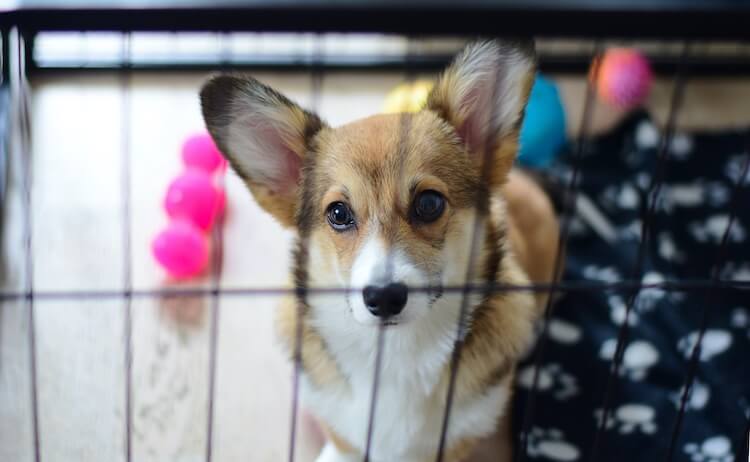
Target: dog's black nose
[[385, 301]]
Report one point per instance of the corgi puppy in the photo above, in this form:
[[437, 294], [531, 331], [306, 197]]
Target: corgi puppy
[[399, 211]]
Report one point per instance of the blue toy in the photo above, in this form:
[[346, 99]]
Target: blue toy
[[543, 130]]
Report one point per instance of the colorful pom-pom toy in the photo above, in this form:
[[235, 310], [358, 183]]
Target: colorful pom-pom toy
[[622, 77], [194, 201]]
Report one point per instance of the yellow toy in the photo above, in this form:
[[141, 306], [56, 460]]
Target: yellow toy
[[407, 97]]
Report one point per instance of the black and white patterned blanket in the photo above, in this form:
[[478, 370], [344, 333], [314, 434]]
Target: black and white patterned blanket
[[690, 220]]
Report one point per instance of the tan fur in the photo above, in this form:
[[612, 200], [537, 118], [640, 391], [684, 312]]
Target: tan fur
[[454, 98], [246, 119], [378, 166], [500, 331], [459, 451], [379, 172], [500, 328], [282, 203], [533, 230]]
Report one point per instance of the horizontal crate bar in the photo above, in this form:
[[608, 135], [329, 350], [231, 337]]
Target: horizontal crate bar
[[713, 66], [667, 19], [687, 285]]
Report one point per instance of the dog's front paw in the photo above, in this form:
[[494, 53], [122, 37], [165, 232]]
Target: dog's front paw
[[331, 454]]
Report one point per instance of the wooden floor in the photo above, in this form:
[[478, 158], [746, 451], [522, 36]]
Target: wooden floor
[[83, 128]]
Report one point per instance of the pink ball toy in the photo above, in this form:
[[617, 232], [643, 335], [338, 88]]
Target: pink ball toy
[[221, 208], [199, 151], [193, 196], [181, 249], [624, 78]]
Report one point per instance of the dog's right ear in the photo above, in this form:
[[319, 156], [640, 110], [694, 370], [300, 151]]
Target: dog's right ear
[[483, 94], [263, 135]]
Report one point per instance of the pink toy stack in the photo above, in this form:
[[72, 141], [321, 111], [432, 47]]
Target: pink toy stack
[[194, 201]]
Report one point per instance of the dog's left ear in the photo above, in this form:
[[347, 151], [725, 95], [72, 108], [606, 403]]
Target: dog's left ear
[[264, 136], [483, 95]]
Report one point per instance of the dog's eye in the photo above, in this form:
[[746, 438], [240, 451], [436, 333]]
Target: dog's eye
[[340, 217], [428, 206]]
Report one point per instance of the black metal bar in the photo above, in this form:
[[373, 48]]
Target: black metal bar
[[482, 214], [715, 273], [5, 123], [651, 204], [379, 347], [669, 19], [5, 55], [569, 212], [125, 169], [725, 66], [24, 142], [743, 448], [301, 292], [295, 383], [404, 128], [217, 263], [684, 285], [30, 41]]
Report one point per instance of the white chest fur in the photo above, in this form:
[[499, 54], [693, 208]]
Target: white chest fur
[[410, 403], [407, 425]]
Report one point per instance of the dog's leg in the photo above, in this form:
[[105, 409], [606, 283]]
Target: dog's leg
[[331, 453]]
